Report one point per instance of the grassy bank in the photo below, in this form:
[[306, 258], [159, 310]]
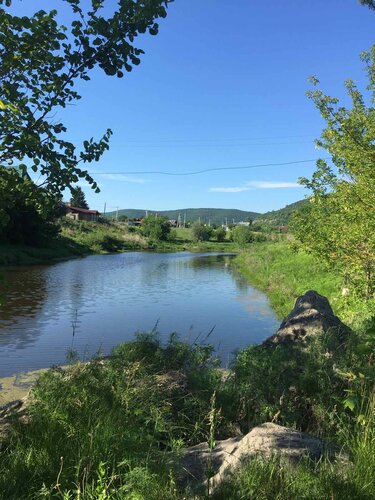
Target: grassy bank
[[83, 238], [115, 428], [284, 273], [75, 239]]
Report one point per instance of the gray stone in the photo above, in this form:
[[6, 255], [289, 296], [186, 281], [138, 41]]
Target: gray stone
[[311, 315], [266, 440]]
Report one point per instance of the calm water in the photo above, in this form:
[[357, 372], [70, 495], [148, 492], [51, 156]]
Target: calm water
[[104, 299]]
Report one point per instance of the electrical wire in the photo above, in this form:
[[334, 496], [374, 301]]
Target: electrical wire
[[203, 171]]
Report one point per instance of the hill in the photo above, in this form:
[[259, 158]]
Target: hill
[[282, 216], [215, 216]]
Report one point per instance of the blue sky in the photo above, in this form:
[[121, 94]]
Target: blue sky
[[222, 85]]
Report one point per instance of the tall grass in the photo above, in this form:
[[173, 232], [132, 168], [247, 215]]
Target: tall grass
[[284, 272], [111, 426], [114, 428]]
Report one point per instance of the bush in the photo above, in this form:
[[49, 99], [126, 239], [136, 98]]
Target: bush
[[201, 232], [156, 228], [242, 235], [27, 212], [220, 234]]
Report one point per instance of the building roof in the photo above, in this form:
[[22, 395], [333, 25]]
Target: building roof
[[83, 210]]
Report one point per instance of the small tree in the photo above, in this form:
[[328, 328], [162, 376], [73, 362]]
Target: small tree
[[242, 235], [339, 222], [78, 198], [201, 232], [156, 228], [26, 211], [220, 234]]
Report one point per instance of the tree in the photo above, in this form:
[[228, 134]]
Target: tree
[[220, 234], [242, 235], [156, 228], [78, 198], [368, 3], [27, 212], [40, 63], [200, 231], [339, 222]]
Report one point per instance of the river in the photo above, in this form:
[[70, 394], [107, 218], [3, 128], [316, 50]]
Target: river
[[93, 303]]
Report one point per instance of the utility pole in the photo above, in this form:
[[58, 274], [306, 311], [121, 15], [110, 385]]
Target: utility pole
[[185, 219], [105, 206], [116, 213]]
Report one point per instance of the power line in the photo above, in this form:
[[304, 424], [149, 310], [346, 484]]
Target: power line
[[145, 141], [215, 169], [128, 144]]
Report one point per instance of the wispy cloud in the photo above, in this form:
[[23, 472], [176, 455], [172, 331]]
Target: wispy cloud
[[255, 185], [228, 189], [122, 178], [272, 185]]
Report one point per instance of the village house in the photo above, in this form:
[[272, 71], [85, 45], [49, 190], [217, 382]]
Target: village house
[[76, 213]]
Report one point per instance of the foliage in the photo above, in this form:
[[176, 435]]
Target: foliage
[[200, 231], [368, 3], [124, 418], [42, 61], [78, 198], [280, 217], [26, 211], [339, 223], [292, 386], [220, 234], [242, 235], [101, 237], [213, 216], [156, 228]]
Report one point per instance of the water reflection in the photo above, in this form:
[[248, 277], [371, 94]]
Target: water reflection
[[110, 297]]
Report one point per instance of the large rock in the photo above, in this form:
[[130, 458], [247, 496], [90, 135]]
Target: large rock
[[266, 440], [311, 315]]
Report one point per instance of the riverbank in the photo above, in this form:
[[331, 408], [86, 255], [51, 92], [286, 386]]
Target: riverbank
[[77, 239], [118, 427], [284, 272]]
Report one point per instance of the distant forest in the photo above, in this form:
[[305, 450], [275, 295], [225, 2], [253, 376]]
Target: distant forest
[[282, 216], [217, 216]]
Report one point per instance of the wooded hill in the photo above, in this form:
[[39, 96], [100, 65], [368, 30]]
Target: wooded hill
[[282, 216], [215, 216]]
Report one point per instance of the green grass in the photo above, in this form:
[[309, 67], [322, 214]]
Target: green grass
[[114, 428], [75, 239], [111, 427], [84, 238], [284, 273]]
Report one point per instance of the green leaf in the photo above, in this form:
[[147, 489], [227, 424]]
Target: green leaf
[[350, 403]]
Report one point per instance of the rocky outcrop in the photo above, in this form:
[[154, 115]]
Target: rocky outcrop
[[311, 315], [266, 440]]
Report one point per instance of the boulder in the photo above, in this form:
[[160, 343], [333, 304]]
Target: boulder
[[266, 440], [311, 315]]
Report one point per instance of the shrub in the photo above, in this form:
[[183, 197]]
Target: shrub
[[220, 234], [201, 232], [242, 235], [156, 228]]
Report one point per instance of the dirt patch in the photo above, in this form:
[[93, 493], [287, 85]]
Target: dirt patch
[[17, 386]]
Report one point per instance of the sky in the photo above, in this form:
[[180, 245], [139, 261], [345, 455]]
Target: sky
[[222, 85]]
